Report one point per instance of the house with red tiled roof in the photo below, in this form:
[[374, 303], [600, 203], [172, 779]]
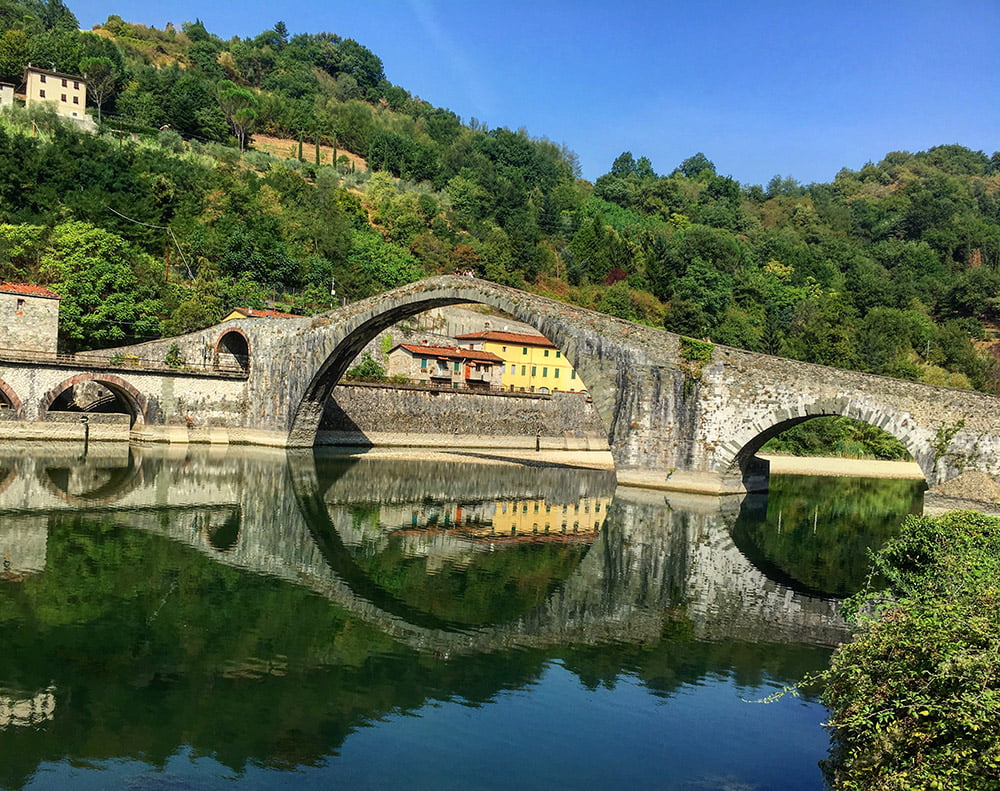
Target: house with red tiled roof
[[256, 313], [29, 318], [445, 366], [532, 363]]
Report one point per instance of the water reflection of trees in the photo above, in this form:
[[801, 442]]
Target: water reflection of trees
[[818, 543], [150, 645]]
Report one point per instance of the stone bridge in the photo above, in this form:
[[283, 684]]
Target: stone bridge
[[678, 414]]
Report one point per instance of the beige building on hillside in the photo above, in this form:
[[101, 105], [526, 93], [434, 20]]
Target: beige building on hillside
[[6, 94], [66, 93]]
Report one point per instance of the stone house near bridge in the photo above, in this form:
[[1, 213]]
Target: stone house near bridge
[[445, 366]]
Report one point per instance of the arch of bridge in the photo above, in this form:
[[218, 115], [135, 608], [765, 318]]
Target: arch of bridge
[[11, 397], [753, 435], [133, 399], [359, 323]]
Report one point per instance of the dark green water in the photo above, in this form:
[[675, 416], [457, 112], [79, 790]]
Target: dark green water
[[262, 620]]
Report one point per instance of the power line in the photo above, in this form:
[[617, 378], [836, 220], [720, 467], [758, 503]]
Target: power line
[[159, 228]]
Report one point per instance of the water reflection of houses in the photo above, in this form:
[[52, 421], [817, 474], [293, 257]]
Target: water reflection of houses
[[18, 709], [458, 527]]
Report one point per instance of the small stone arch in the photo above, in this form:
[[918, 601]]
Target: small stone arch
[[9, 400], [110, 486], [130, 397], [232, 352], [737, 456]]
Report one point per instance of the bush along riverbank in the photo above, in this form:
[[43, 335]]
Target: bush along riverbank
[[915, 698]]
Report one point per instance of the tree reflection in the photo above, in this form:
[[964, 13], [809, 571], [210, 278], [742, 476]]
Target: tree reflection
[[819, 544]]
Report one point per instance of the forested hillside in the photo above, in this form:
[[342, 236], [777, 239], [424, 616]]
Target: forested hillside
[[168, 217]]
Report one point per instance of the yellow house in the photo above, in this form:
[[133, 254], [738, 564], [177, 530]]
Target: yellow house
[[257, 313], [66, 93], [532, 364], [540, 518]]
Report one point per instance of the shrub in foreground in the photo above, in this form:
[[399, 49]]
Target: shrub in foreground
[[915, 698]]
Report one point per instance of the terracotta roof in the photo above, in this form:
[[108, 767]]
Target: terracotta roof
[[255, 313], [508, 337], [451, 353], [28, 290]]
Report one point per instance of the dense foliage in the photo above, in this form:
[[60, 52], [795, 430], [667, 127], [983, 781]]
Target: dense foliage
[[892, 269], [916, 697]]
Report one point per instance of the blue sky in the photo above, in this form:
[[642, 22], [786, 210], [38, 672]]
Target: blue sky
[[798, 88]]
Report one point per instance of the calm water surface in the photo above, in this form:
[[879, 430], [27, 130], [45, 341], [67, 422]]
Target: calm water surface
[[210, 620]]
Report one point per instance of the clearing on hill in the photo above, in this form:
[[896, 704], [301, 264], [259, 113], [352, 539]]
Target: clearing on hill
[[287, 148]]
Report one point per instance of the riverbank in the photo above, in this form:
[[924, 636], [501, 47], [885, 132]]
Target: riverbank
[[602, 460], [841, 467], [584, 459]]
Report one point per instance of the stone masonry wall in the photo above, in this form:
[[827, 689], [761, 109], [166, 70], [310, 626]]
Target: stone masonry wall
[[380, 409], [33, 327]]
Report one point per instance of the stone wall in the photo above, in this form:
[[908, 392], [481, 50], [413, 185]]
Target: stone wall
[[28, 323], [377, 413]]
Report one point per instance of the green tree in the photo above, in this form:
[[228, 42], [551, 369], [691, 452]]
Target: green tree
[[239, 106], [106, 288], [101, 80]]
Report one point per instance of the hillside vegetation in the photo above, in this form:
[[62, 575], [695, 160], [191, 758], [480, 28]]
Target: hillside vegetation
[[163, 221]]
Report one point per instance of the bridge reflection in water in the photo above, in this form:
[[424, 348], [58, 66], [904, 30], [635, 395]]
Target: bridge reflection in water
[[376, 568]]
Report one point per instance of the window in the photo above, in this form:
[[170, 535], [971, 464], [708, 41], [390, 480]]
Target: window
[[558, 354], [572, 374], [41, 77], [556, 372], [64, 83], [524, 350], [20, 306], [504, 348], [76, 85], [534, 370], [545, 372], [63, 98], [456, 366], [546, 352], [76, 100], [41, 94], [423, 362], [524, 369]]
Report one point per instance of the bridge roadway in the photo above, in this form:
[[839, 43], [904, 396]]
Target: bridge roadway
[[292, 519], [674, 418]]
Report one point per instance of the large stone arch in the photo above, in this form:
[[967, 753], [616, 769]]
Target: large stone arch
[[9, 398], [132, 398], [367, 318], [737, 456]]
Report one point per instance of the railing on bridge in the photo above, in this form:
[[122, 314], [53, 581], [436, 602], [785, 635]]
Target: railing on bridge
[[117, 361]]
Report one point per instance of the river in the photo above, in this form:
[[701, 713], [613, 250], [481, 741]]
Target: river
[[211, 619]]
